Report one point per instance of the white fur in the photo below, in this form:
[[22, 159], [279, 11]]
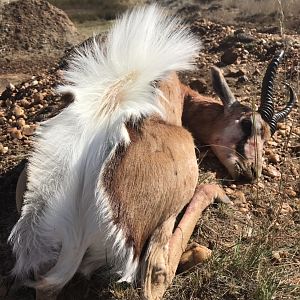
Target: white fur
[[66, 222]]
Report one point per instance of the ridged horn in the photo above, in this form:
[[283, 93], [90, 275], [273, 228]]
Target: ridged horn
[[266, 108], [284, 112]]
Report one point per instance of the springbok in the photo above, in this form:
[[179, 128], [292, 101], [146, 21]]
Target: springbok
[[109, 175], [235, 133]]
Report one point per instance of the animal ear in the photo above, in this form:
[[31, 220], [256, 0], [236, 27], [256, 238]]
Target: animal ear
[[221, 87]]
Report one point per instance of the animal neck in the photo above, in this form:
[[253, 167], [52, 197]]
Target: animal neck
[[201, 115]]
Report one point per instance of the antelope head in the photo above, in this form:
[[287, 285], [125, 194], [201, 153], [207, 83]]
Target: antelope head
[[240, 133], [235, 132]]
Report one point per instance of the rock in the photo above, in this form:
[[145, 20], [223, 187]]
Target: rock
[[28, 129], [3, 120], [11, 87], [199, 85], [276, 256], [290, 192], [18, 111], [25, 103], [240, 197], [271, 171], [228, 191], [243, 79], [235, 72], [229, 57], [285, 209], [16, 133], [274, 158], [38, 98], [21, 122]]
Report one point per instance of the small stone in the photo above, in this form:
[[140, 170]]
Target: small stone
[[28, 129], [243, 79], [25, 103], [274, 158], [8, 102], [281, 126], [35, 82], [261, 185], [240, 197], [229, 57], [11, 87], [244, 209], [4, 150], [294, 171], [16, 133], [199, 85], [286, 208], [290, 192], [228, 191], [272, 143], [21, 122], [38, 97], [18, 111], [271, 171], [276, 256], [2, 120]]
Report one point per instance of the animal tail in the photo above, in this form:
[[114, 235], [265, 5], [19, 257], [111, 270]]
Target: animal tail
[[115, 80]]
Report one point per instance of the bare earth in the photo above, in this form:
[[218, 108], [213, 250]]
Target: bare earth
[[255, 243]]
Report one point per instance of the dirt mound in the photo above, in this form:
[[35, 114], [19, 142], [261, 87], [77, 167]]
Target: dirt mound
[[35, 25]]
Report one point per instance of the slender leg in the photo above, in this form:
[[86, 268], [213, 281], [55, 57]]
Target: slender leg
[[155, 266], [155, 286]]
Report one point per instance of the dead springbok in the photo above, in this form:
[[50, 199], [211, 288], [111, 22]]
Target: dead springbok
[[109, 175], [235, 133]]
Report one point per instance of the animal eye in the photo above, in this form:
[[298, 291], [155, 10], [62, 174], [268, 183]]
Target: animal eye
[[246, 125]]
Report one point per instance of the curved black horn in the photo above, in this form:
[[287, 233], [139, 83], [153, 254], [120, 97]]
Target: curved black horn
[[284, 112], [266, 108]]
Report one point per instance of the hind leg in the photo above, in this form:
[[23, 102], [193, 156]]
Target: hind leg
[[155, 273], [166, 248]]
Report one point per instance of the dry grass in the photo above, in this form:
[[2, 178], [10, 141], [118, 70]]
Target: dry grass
[[252, 7]]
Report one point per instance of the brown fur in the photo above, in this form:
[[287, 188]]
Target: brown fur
[[156, 175]]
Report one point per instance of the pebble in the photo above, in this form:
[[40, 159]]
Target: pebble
[[271, 171], [286, 208], [229, 57], [274, 158], [240, 196], [28, 129], [18, 111], [294, 171], [16, 133], [199, 85], [38, 97], [11, 86], [272, 143], [21, 122], [290, 192], [276, 256], [25, 103], [228, 191]]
